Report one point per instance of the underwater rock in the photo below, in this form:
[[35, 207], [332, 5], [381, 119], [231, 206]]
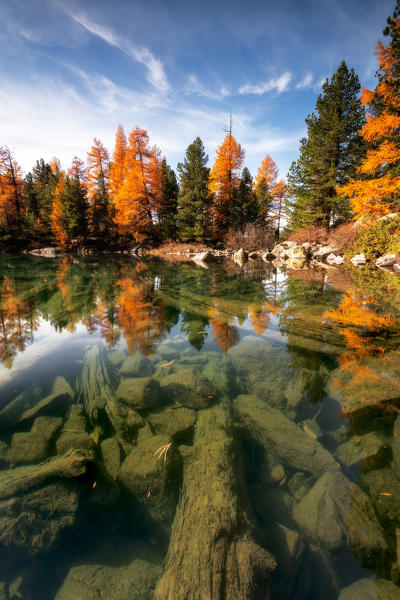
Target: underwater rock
[[119, 570], [140, 392], [60, 398], [396, 445], [3, 591], [312, 429], [172, 420], [212, 552], [360, 447], [3, 454], [189, 387], [261, 369], [151, 479], [74, 434], [137, 366], [303, 393], [359, 385], [12, 412], [384, 488], [96, 388], [111, 455], [276, 433], [290, 552], [117, 357], [271, 505], [368, 589], [336, 512], [33, 522], [33, 446], [220, 371], [167, 352], [299, 485]]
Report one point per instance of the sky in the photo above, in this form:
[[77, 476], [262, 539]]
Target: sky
[[72, 70]]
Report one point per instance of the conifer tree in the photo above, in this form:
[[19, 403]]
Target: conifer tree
[[224, 182], [243, 207], [98, 161], [375, 190], [329, 154], [194, 196], [40, 187], [169, 202], [117, 169], [264, 201]]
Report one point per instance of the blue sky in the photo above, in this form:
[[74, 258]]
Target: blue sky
[[73, 70]]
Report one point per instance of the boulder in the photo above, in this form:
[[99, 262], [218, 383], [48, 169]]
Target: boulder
[[11, 413], [333, 259], [368, 589], [60, 398], [239, 256], [152, 479], [297, 253], [220, 371], [387, 260], [136, 366], [204, 257], [336, 512], [189, 387], [167, 352], [172, 420], [139, 393], [119, 569], [280, 251], [383, 487], [360, 447], [323, 252], [359, 260], [277, 434], [117, 357], [33, 446], [46, 252], [111, 455]]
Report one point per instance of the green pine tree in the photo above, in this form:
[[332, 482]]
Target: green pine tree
[[169, 202], [243, 207], [194, 196], [329, 154], [101, 207], [40, 186], [74, 207], [264, 201]]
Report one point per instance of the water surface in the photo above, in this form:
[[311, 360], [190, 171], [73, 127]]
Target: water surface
[[172, 431]]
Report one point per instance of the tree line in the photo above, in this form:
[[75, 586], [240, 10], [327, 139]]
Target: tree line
[[348, 168]]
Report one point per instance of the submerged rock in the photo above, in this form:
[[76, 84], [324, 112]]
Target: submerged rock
[[33, 446], [139, 393], [136, 366], [117, 357], [368, 589], [384, 488], [360, 447], [189, 387], [336, 512], [172, 420], [276, 433], [359, 260], [151, 479], [33, 522], [119, 570], [12, 412], [220, 371], [111, 455], [60, 398]]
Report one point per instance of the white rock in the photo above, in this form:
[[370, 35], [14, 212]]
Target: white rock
[[323, 252], [358, 260], [333, 259], [387, 260]]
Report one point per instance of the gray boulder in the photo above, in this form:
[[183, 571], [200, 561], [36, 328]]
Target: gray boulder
[[368, 589], [189, 387], [359, 260], [172, 420], [139, 393], [136, 366], [387, 260], [360, 447], [336, 512], [33, 446]]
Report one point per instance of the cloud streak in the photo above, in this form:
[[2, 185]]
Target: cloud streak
[[155, 69], [305, 83], [278, 84]]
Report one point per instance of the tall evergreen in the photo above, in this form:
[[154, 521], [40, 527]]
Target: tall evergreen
[[169, 202], [264, 202], [243, 208], [329, 154], [101, 218], [40, 186], [74, 208], [194, 197]]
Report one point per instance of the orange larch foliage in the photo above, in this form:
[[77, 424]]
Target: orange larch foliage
[[224, 180], [11, 188], [269, 172], [117, 169], [78, 170], [137, 200], [56, 217], [373, 195]]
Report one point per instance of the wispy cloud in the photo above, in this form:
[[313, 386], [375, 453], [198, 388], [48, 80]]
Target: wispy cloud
[[305, 83], [155, 70], [196, 88], [279, 84]]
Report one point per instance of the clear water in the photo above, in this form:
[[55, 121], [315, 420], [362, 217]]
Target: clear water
[[169, 431]]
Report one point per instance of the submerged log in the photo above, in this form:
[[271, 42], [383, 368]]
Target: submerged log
[[276, 433], [212, 553]]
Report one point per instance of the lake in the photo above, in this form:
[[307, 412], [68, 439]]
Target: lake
[[177, 432]]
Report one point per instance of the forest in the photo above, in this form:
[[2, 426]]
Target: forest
[[348, 170]]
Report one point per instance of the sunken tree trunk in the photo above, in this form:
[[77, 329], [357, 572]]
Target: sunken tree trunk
[[212, 553]]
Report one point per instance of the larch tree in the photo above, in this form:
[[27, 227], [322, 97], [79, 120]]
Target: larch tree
[[329, 155], [11, 189], [224, 182], [137, 201], [98, 167], [117, 169], [194, 197], [375, 191]]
